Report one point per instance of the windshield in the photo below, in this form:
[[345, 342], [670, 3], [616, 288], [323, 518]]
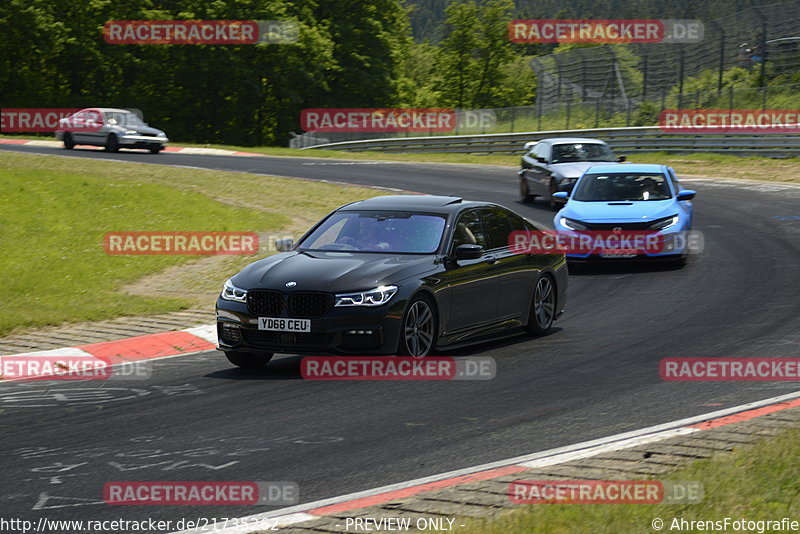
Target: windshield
[[622, 187], [581, 152], [388, 232], [123, 119]]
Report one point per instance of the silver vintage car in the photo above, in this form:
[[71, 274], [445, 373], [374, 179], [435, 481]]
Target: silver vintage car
[[110, 128]]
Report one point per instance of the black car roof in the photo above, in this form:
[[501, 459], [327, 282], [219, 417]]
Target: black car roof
[[408, 202]]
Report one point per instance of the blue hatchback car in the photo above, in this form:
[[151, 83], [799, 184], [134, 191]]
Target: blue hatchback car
[[643, 198]]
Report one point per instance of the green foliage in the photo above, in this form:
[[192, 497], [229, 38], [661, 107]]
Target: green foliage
[[349, 53], [471, 59]]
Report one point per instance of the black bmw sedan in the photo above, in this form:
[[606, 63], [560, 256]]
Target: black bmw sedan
[[403, 275]]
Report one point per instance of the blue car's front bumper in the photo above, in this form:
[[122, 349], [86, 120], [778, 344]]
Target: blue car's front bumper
[[666, 244]]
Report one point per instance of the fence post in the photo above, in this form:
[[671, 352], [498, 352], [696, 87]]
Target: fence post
[[558, 71], [644, 76], [538, 113], [761, 44], [596, 112], [730, 105], [680, 76], [721, 54], [569, 102], [579, 53], [513, 116]]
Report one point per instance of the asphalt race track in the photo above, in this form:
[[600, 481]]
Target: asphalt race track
[[198, 418]]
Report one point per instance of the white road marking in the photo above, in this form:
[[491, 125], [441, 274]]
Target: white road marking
[[206, 331]]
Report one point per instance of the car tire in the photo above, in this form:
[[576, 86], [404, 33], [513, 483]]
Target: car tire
[[112, 143], [419, 328], [680, 261], [543, 306], [155, 149], [555, 206], [524, 195], [249, 360], [69, 144]]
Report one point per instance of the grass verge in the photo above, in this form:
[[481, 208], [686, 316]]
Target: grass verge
[[755, 482], [54, 213]]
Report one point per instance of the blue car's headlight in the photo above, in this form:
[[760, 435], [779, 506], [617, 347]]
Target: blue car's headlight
[[666, 222], [571, 224], [374, 297], [231, 292]]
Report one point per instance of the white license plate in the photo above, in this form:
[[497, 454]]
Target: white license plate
[[278, 324]]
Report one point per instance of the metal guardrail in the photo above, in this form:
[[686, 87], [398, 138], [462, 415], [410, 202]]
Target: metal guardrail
[[632, 139]]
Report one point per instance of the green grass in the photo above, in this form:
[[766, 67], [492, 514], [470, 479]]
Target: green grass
[[756, 482], [54, 213]]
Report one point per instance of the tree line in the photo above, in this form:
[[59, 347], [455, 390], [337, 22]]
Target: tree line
[[349, 54]]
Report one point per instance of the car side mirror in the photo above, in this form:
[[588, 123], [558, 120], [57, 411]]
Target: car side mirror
[[620, 159], [686, 194], [284, 245], [561, 195], [540, 159], [468, 252]]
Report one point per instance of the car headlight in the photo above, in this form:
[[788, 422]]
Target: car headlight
[[231, 292], [666, 222], [571, 224], [374, 297], [162, 134], [131, 132]]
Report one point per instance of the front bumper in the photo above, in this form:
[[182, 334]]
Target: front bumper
[[142, 141], [664, 245], [345, 330]]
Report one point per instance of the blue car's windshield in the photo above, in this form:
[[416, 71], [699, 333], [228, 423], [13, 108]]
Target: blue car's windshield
[[377, 231], [622, 186]]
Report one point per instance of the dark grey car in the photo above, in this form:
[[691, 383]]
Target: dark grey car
[[552, 165]]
